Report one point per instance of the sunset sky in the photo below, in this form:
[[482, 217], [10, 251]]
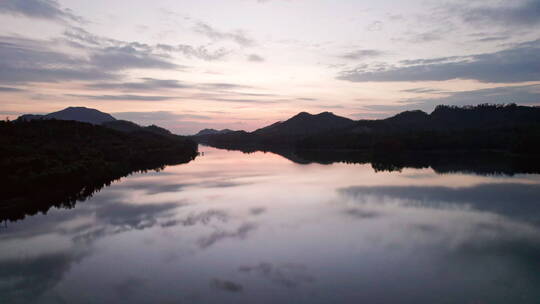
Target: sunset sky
[[242, 64]]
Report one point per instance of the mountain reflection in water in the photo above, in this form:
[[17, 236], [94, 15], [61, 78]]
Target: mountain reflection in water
[[231, 227]]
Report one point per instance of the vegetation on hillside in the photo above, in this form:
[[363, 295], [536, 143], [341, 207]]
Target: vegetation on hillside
[[51, 162], [509, 128]]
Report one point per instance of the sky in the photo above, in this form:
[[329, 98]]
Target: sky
[[243, 64]]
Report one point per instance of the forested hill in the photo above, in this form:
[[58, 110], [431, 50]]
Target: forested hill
[[51, 162], [484, 127], [280, 133]]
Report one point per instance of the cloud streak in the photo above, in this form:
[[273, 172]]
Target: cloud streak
[[28, 60], [518, 64], [147, 84], [42, 9], [512, 13], [125, 97], [362, 54], [238, 36], [10, 90], [255, 58], [524, 95]]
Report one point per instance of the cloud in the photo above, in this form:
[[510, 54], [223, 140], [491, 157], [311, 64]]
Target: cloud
[[429, 36], [238, 36], [156, 116], [80, 38], [431, 60], [240, 100], [153, 188], [127, 287], [200, 52], [43, 9], [512, 13], [362, 54], [122, 97], [10, 90], [421, 90], [115, 216], [26, 278], [28, 60], [183, 123], [147, 84], [492, 38], [130, 57], [286, 275], [205, 217], [516, 64], [526, 95], [226, 285], [223, 86], [133, 216], [21, 60], [375, 26], [257, 210], [362, 214], [152, 84], [219, 235], [255, 58], [511, 199]]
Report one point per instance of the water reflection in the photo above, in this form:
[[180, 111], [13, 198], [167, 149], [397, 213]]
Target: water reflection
[[484, 163], [519, 201], [257, 228]]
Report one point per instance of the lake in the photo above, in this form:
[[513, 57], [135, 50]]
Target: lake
[[231, 227]]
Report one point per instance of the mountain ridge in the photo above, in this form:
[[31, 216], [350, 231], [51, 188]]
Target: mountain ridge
[[305, 123], [80, 114], [95, 117], [210, 131], [480, 127]]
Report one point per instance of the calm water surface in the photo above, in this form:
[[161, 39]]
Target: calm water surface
[[257, 228]]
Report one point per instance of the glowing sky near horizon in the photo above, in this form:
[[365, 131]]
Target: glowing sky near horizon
[[243, 64]]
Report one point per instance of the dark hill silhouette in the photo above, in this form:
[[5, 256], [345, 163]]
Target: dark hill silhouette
[[484, 116], [213, 131], [29, 117], [122, 126], [158, 130], [48, 162], [80, 114], [508, 128], [409, 117], [280, 133], [304, 123], [129, 127], [62, 157], [96, 117]]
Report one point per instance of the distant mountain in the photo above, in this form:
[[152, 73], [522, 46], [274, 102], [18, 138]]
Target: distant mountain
[[129, 127], [483, 127], [407, 117], [281, 133], [81, 114], [122, 126], [96, 117], [304, 123], [213, 131], [29, 117], [157, 130]]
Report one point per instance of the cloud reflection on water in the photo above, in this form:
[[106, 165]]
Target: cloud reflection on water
[[304, 234]]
